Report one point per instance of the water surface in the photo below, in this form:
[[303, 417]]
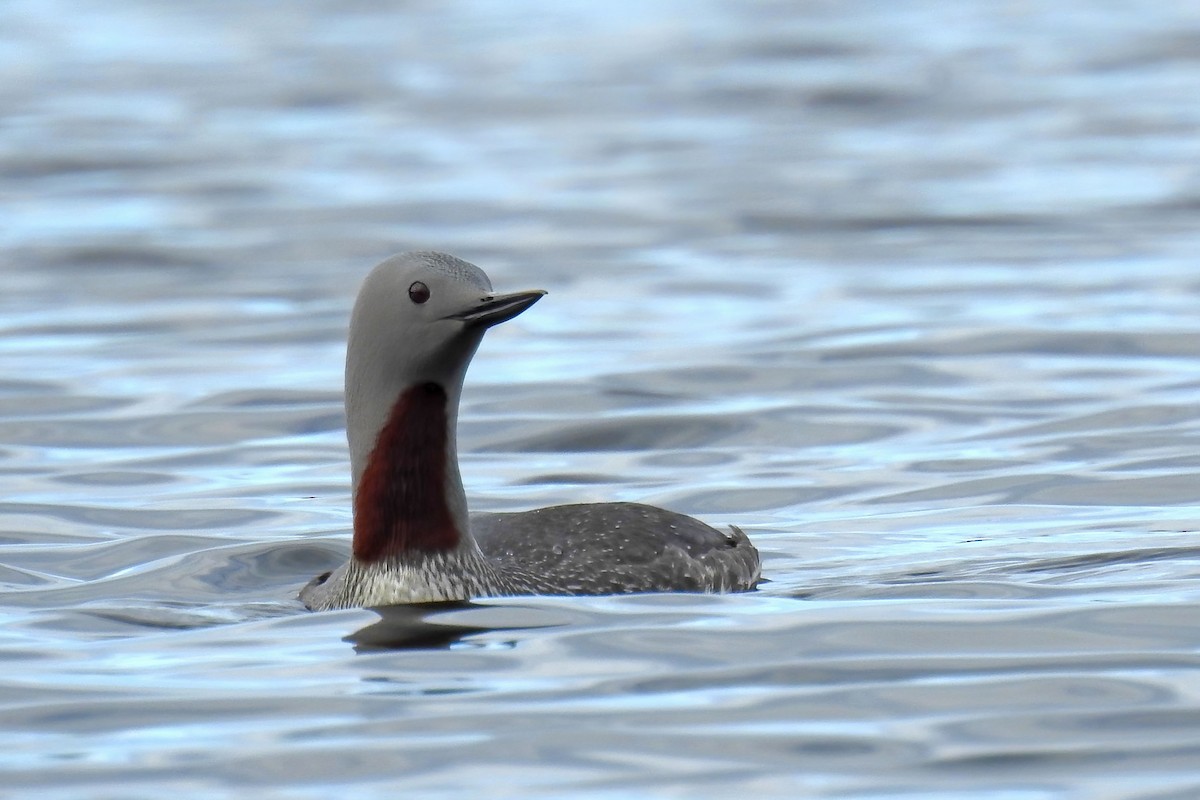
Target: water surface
[[908, 291]]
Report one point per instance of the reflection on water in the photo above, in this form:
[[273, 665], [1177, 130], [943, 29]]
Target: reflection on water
[[441, 625], [906, 291]]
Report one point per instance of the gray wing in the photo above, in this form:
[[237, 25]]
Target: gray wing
[[608, 548]]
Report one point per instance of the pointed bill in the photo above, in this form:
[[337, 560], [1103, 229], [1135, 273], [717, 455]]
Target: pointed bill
[[498, 308]]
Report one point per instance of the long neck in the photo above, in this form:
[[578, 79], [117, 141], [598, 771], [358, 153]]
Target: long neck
[[408, 495]]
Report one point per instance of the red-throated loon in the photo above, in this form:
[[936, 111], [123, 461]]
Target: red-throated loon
[[416, 324]]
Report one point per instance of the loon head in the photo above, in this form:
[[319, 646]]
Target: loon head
[[416, 324]]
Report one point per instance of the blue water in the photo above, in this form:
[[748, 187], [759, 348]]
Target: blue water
[[908, 291]]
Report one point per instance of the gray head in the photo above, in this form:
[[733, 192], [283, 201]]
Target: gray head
[[418, 319]]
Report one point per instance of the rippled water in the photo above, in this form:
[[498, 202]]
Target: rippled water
[[909, 291]]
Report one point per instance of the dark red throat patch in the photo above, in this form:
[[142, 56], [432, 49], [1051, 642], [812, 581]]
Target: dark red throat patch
[[400, 503]]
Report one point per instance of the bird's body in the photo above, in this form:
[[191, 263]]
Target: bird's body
[[417, 322]]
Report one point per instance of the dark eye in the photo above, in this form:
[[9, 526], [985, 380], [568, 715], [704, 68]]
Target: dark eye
[[418, 292]]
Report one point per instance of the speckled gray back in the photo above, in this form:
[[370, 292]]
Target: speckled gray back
[[613, 548]]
